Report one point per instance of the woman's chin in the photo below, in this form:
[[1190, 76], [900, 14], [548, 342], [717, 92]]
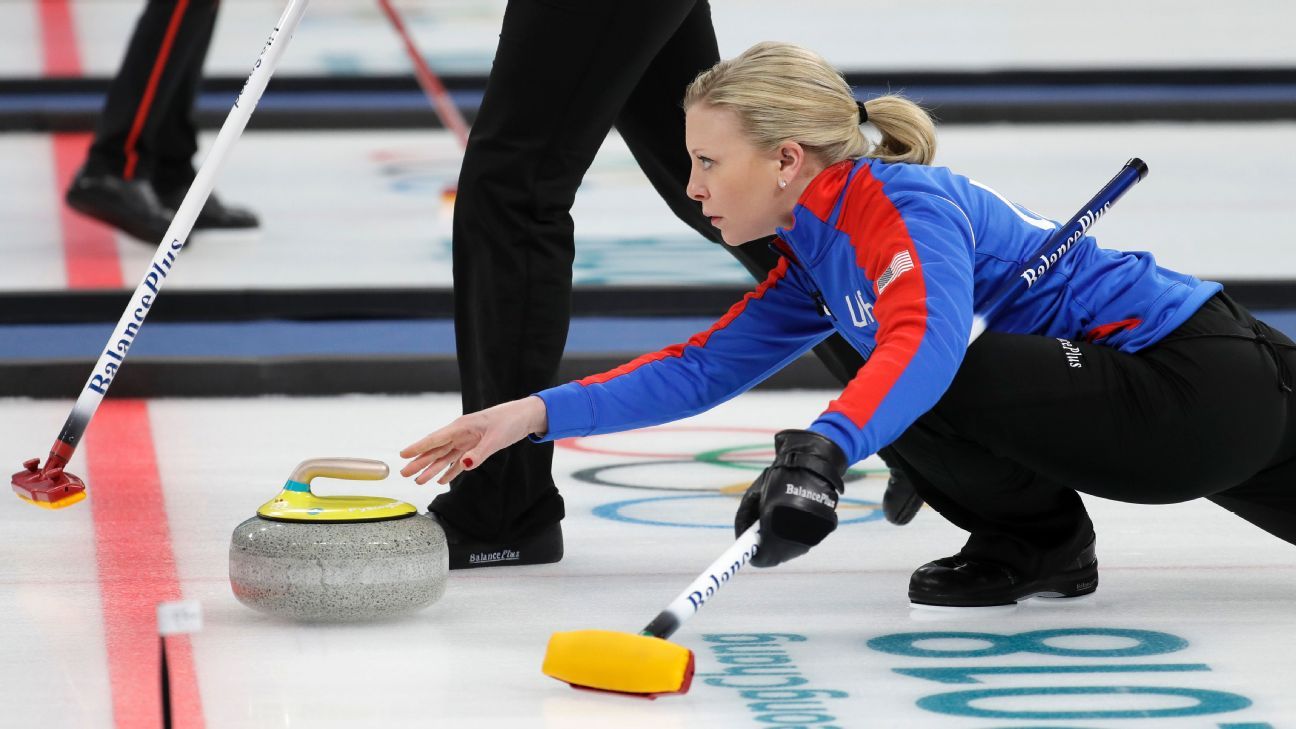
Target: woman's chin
[[733, 237]]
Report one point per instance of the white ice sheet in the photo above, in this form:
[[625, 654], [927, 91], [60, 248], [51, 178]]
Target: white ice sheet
[[1213, 591]]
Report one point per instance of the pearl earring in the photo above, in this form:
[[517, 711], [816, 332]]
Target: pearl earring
[[782, 184]]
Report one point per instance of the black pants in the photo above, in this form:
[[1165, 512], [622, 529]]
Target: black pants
[[146, 130], [1029, 421], [565, 72]]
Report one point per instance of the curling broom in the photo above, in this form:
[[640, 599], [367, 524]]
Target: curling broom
[[50, 486]]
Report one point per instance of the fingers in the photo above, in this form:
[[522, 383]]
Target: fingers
[[438, 449], [423, 446], [424, 458], [449, 459], [430, 464], [467, 462], [434, 440], [463, 445], [456, 468]]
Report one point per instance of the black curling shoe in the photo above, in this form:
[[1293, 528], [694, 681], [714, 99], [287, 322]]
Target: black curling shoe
[[215, 215], [541, 547], [127, 205], [958, 581]]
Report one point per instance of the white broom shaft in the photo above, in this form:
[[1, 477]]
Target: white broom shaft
[[182, 224], [707, 584]]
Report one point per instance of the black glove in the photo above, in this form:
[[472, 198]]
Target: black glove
[[795, 499], [901, 501]]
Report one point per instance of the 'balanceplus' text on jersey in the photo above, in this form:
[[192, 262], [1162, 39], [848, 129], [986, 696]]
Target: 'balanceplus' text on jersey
[[898, 257]]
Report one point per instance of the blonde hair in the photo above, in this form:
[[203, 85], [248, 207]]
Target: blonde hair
[[783, 92]]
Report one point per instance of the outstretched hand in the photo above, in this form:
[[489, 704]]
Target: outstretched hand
[[472, 438]]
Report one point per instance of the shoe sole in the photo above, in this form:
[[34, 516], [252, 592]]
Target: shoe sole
[[120, 222]]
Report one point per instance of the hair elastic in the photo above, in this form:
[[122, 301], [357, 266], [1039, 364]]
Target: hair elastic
[[863, 112]]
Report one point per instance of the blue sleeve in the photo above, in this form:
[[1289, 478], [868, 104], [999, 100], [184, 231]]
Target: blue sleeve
[[759, 335]]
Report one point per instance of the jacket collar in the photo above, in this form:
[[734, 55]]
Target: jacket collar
[[816, 208]]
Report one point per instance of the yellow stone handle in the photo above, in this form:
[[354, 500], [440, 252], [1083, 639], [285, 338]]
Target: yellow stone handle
[[297, 503], [353, 469]]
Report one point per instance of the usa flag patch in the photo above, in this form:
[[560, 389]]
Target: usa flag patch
[[901, 263]]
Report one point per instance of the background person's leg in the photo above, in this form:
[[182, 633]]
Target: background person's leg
[[113, 186], [176, 142], [168, 38], [652, 120], [176, 136], [561, 75]]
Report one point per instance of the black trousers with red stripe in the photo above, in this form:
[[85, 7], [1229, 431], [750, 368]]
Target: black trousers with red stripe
[[1030, 421], [146, 129], [565, 73]]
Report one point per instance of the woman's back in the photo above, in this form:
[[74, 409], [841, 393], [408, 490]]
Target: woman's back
[[1078, 290]]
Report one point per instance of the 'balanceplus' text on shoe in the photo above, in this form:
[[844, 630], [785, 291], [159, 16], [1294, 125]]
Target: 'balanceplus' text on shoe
[[505, 555]]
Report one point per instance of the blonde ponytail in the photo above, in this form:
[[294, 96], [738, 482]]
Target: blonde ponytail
[[908, 133]]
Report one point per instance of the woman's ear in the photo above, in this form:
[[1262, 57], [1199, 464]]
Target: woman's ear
[[791, 158]]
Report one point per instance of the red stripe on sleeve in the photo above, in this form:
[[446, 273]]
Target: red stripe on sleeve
[[878, 233], [697, 340]]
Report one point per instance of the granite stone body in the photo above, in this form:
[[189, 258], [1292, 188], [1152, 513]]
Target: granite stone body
[[335, 572]]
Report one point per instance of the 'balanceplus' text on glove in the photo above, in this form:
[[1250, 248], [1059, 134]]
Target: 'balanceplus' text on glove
[[825, 499]]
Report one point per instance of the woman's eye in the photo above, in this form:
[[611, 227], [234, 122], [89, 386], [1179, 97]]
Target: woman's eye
[[706, 162]]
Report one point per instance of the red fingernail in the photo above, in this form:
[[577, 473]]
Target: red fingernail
[[468, 462]]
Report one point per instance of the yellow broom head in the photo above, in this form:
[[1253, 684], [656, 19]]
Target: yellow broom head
[[605, 660]]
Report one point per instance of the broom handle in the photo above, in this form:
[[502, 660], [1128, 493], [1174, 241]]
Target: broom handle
[[707, 584], [1058, 244], [146, 293], [432, 87]]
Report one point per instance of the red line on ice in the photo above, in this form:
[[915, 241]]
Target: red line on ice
[[58, 38], [135, 561], [137, 569], [89, 248]]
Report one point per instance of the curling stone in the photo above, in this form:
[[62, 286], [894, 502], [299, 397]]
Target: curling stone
[[337, 558]]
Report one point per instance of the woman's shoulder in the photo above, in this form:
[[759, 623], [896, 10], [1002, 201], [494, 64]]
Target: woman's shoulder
[[901, 182]]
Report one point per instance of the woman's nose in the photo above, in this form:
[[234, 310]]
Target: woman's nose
[[694, 190]]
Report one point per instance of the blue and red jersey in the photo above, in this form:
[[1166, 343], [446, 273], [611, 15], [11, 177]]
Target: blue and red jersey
[[896, 258]]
